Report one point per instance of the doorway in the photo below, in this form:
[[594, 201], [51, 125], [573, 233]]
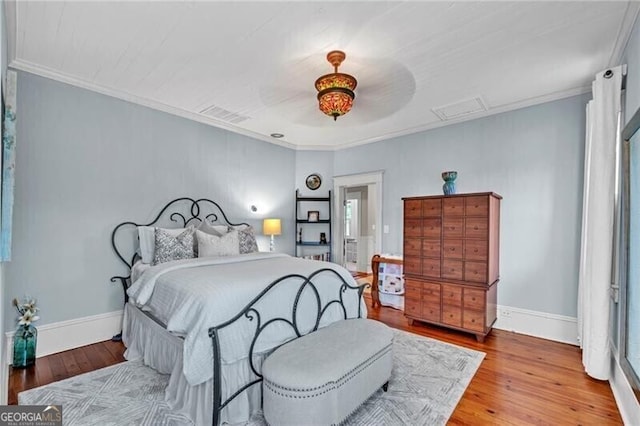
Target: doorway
[[356, 229], [357, 234]]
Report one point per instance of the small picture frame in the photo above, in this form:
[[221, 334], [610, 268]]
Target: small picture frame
[[313, 215]]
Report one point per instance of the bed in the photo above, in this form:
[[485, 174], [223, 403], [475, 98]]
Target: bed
[[209, 321]]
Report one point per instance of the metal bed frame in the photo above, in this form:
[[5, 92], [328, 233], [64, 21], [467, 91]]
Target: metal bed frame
[[196, 210], [252, 313], [183, 212]]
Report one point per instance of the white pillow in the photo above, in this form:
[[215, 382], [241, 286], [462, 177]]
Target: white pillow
[[217, 230], [147, 238], [212, 245]]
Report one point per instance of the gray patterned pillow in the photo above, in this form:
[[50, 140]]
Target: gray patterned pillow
[[247, 240], [169, 247]]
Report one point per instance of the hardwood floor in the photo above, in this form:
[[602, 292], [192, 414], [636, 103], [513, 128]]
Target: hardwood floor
[[63, 365], [522, 380]]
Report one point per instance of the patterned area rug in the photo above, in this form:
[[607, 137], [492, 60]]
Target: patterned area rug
[[428, 379]]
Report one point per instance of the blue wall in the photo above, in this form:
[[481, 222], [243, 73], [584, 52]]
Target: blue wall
[[86, 162], [533, 157], [632, 59]]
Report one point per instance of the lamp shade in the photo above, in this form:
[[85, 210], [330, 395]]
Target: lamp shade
[[335, 90], [271, 227]]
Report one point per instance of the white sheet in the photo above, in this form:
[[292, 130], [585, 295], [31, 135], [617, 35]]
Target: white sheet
[[162, 351], [138, 269], [192, 295]]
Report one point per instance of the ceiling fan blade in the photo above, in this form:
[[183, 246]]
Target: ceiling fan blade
[[384, 87]]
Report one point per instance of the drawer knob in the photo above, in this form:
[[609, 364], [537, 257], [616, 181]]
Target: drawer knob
[[475, 251], [475, 228]]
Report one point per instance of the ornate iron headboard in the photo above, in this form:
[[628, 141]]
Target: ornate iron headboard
[[251, 312], [181, 211]]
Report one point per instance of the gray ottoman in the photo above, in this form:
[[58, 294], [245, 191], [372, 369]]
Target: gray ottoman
[[321, 378]]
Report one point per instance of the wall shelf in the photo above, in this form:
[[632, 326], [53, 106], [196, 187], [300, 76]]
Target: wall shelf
[[317, 226]]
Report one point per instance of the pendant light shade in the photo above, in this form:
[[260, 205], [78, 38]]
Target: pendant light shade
[[335, 90]]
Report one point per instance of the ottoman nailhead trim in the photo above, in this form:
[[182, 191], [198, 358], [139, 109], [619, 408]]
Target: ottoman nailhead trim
[[278, 390]]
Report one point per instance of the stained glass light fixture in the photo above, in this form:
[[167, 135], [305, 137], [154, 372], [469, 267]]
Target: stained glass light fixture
[[335, 90]]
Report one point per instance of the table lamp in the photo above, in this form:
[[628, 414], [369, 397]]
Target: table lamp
[[271, 227]]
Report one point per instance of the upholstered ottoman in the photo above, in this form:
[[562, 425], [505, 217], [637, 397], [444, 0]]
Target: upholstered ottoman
[[321, 378]]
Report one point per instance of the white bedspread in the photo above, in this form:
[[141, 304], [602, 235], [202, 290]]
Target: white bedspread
[[192, 295]]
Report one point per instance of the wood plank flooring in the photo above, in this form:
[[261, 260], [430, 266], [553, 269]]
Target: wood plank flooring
[[64, 365], [522, 380]]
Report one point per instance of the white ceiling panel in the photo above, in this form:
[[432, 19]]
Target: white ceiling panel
[[259, 60]]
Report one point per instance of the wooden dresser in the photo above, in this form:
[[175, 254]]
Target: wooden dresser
[[452, 259]]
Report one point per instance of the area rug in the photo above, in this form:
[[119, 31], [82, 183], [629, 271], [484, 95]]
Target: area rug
[[428, 379]]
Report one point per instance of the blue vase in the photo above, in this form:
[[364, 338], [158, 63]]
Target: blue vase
[[24, 346], [449, 187]]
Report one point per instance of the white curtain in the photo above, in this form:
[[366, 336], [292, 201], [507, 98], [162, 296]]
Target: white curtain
[[597, 222]]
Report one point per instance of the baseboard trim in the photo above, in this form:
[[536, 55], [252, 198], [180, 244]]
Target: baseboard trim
[[554, 327], [622, 392], [65, 335]]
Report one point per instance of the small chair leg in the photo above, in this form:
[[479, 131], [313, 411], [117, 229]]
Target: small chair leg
[[385, 386]]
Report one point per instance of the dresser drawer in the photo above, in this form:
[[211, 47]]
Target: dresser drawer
[[412, 227], [475, 271], [412, 265], [451, 295], [476, 227], [475, 250], [431, 311], [452, 315], [431, 267], [473, 299], [453, 227], [432, 207], [476, 206], [430, 248], [432, 227], [431, 293], [412, 246], [473, 320], [412, 208], [453, 206], [413, 307], [451, 269], [412, 289], [452, 249]]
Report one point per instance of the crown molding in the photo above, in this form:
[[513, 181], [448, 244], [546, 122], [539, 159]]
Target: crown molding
[[26, 66], [492, 111], [624, 34], [11, 30], [41, 71]]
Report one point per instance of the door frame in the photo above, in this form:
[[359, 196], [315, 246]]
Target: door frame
[[339, 184]]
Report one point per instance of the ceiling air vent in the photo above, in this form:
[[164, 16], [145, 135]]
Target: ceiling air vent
[[460, 109], [224, 115]]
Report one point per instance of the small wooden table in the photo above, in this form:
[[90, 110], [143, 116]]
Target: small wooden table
[[376, 260]]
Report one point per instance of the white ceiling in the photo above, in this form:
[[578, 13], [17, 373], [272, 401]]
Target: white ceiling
[[259, 60]]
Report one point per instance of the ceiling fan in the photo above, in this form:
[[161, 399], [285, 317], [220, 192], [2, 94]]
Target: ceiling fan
[[384, 86]]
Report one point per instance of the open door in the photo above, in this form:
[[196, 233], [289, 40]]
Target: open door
[[358, 208]]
